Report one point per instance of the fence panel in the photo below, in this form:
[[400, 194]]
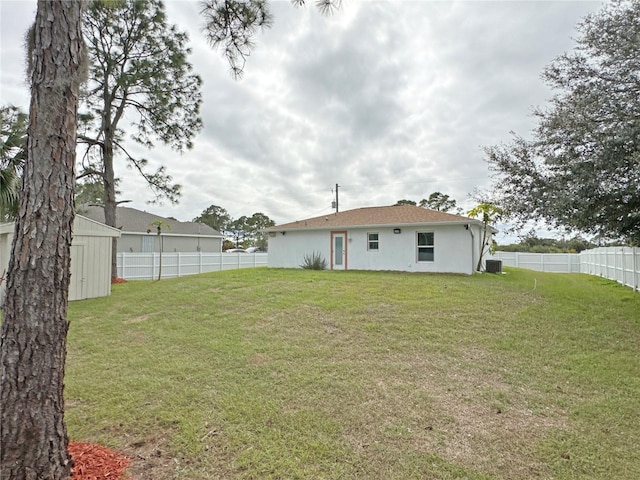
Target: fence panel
[[541, 262], [146, 266], [621, 264]]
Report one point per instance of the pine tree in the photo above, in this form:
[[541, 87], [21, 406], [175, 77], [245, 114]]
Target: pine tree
[[33, 437], [139, 80]]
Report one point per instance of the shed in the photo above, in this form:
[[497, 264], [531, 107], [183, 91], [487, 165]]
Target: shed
[[398, 237], [90, 257]]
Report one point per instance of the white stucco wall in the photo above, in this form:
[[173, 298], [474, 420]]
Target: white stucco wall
[[288, 251], [456, 250]]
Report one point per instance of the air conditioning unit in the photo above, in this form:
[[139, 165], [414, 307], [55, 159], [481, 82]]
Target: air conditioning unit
[[493, 266]]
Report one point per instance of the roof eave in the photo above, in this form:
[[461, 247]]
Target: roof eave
[[169, 234], [285, 228]]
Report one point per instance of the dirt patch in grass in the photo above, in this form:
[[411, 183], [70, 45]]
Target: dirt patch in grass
[[259, 359], [138, 319], [150, 459], [459, 408], [461, 405], [154, 459]]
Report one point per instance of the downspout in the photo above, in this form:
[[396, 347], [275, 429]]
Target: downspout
[[473, 250]]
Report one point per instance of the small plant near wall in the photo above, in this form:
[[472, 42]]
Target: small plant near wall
[[315, 261]]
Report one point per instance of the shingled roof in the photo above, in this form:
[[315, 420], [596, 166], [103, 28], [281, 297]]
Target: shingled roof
[[136, 221], [396, 215]]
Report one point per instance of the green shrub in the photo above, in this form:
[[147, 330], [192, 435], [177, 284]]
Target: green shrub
[[315, 261]]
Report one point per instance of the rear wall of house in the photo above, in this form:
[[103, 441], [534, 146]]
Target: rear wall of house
[[453, 249], [289, 250]]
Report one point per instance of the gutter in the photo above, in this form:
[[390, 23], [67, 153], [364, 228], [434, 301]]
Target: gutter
[[291, 228], [473, 251]]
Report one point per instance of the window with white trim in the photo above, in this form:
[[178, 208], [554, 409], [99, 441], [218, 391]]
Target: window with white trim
[[426, 247], [148, 244], [373, 241]]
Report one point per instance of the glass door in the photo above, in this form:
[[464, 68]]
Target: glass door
[[338, 250]]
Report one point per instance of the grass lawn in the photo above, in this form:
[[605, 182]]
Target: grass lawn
[[289, 374]]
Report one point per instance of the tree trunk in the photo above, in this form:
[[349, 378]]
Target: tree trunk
[[33, 436], [483, 245], [109, 181]]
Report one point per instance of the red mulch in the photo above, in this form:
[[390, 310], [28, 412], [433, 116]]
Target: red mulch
[[118, 280], [95, 462]]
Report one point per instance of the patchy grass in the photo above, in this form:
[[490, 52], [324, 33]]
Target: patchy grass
[[262, 373]]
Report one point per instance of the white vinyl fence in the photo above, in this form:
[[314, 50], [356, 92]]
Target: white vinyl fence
[[542, 262], [621, 264], [146, 266]]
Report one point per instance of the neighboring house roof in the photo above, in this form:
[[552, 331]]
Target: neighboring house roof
[[395, 215], [130, 220]]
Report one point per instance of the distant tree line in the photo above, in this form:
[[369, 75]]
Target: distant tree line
[[530, 243], [435, 201], [241, 232]]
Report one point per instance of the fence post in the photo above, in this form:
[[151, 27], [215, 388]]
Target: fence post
[[634, 253], [628, 281], [200, 261], [620, 269]]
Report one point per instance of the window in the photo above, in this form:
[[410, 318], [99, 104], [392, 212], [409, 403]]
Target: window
[[425, 247], [372, 241], [147, 244]]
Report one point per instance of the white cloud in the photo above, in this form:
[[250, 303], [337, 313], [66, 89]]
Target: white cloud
[[389, 99]]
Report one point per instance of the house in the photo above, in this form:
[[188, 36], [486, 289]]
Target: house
[[398, 237], [139, 232], [90, 257]]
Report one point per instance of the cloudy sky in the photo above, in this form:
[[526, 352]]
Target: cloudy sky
[[389, 99]]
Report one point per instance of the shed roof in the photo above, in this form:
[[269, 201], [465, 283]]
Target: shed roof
[[396, 215], [82, 226], [131, 220], [92, 228]]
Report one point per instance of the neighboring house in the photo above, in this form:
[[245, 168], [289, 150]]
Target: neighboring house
[[399, 237], [139, 232], [90, 257]]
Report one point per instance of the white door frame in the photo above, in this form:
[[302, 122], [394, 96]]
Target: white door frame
[[339, 250]]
